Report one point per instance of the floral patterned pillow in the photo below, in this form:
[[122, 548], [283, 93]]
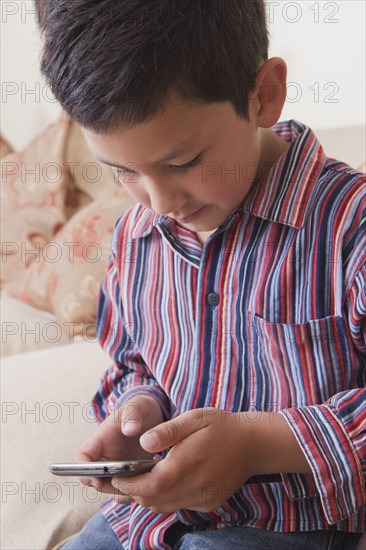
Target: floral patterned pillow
[[52, 194], [5, 147], [35, 193], [66, 278]]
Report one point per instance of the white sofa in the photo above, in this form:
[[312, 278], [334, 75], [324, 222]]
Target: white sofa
[[45, 416], [46, 388]]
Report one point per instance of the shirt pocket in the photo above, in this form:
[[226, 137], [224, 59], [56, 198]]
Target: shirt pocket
[[303, 364], [299, 486]]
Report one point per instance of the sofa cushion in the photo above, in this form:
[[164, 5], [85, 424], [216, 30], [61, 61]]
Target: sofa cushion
[[46, 417], [24, 328]]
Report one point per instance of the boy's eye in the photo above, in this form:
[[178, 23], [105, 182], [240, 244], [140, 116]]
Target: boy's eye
[[187, 166], [121, 172]]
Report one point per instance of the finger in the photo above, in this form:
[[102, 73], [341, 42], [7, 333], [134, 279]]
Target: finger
[[90, 451], [171, 432], [167, 491], [103, 485], [130, 491], [132, 486], [134, 413], [159, 482], [131, 418]]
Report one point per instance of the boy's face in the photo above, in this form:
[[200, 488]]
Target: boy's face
[[229, 151]]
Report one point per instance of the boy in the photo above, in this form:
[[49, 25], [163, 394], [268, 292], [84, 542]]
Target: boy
[[234, 302]]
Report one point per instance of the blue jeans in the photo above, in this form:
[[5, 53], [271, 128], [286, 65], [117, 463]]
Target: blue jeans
[[98, 535]]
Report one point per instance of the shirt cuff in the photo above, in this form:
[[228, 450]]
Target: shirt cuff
[[335, 466]]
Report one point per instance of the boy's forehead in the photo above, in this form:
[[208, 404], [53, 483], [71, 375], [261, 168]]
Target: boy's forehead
[[189, 115], [164, 144], [180, 128], [173, 117], [165, 137], [174, 151]]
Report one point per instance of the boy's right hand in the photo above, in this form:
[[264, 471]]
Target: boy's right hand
[[117, 437]]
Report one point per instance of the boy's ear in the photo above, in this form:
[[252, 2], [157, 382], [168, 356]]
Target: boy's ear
[[270, 93]]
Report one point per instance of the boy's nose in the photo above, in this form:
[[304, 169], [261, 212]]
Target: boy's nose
[[165, 199]]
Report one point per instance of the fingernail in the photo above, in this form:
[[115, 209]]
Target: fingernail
[[150, 440], [129, 426]]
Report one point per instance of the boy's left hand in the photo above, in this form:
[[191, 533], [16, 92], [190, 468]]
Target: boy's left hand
[[213, 453]]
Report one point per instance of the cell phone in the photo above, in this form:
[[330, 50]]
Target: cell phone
[[104, 469]]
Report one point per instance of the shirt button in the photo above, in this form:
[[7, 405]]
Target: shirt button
[[213, 298]]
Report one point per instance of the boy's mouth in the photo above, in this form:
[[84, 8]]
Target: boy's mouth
[[192, 217]]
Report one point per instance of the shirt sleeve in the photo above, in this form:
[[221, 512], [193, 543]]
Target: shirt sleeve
[[333, 435], [333, 439], [129, 376]]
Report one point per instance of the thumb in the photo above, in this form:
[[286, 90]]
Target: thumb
[[169, 433]]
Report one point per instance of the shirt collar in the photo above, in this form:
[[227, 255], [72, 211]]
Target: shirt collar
[[283, 195], [145, 221]]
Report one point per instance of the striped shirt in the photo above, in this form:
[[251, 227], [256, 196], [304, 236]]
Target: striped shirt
[[268, 315]]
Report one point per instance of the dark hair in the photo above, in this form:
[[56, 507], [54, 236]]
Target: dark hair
[[111, 63]]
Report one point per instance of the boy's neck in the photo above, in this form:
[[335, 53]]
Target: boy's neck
[[272, 148]]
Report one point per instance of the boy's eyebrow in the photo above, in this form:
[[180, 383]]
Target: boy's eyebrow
[[178, 149]]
